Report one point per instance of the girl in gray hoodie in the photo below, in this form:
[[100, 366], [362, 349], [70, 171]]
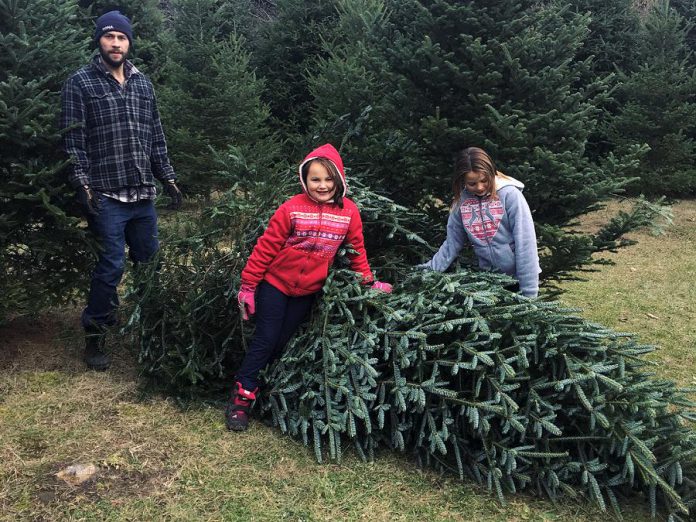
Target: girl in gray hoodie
[[490, 212]]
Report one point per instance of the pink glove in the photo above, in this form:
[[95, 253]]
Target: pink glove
[[382, 287], [245, 298]]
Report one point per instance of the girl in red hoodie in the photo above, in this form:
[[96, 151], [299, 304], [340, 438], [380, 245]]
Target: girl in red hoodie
[[289, 265]]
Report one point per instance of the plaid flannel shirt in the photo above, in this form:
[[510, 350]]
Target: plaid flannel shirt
[[114, 134]]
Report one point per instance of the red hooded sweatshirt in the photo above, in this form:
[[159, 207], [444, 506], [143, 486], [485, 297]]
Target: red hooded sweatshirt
[[299, 245]]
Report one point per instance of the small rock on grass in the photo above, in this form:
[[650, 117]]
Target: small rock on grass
[[77, 473]]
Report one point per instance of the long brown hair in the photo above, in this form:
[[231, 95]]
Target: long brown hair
[[333, 172], [472, 159]]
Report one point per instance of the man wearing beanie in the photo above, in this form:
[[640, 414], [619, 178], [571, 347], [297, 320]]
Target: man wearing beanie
[[115, 140]]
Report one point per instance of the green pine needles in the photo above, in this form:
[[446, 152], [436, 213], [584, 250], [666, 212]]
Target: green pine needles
[[473, 379]]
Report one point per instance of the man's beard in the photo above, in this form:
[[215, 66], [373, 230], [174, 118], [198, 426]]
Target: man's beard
[[110, 61]]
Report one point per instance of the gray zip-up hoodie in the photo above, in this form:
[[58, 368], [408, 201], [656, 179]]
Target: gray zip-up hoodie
[[501, 232]]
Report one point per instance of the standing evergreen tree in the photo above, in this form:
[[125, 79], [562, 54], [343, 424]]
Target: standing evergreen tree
[[611, 44], [211, 97], [43, 251], [659, 107], [349, 82], [287, 46], [613, 35], [687, 9], [494, 74], [436, 76]]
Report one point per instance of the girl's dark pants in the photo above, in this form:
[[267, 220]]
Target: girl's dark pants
[[277, 317]]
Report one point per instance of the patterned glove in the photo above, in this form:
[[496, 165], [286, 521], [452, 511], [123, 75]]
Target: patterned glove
[[174, 193], [382, 287], [245, 298]]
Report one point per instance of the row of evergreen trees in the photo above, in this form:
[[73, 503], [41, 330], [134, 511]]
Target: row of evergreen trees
[[574, 98]]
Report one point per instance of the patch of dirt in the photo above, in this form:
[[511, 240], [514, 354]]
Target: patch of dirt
[[107, 484], [44, 343], [53, 341]]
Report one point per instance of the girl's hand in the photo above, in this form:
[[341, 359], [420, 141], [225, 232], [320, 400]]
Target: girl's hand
[[245, 298], [382, 287]]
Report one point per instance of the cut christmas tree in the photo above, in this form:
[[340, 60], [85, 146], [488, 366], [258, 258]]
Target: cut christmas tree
[[471, 378]]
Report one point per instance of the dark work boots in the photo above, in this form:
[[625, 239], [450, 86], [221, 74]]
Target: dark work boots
[[95, 358], [237, 412]]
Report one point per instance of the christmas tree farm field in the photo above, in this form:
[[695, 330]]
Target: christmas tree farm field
[[158, 460]]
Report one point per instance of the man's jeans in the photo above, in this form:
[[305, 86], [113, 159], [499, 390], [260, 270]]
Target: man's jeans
[[116, 225]]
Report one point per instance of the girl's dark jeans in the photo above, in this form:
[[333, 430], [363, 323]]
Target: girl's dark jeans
[[277, 317]]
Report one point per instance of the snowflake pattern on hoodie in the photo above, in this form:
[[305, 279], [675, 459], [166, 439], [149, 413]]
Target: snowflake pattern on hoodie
[[319, 232], [483, 226]]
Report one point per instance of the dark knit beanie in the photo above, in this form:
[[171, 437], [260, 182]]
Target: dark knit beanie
[[113, 21]]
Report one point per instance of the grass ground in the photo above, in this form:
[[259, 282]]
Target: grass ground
[[157, 461], [650, 291]]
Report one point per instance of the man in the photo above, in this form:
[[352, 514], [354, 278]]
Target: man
[[115, 140]]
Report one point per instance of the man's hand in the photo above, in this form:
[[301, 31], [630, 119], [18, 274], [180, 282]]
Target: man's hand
[[174, 193], [85, 197]]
